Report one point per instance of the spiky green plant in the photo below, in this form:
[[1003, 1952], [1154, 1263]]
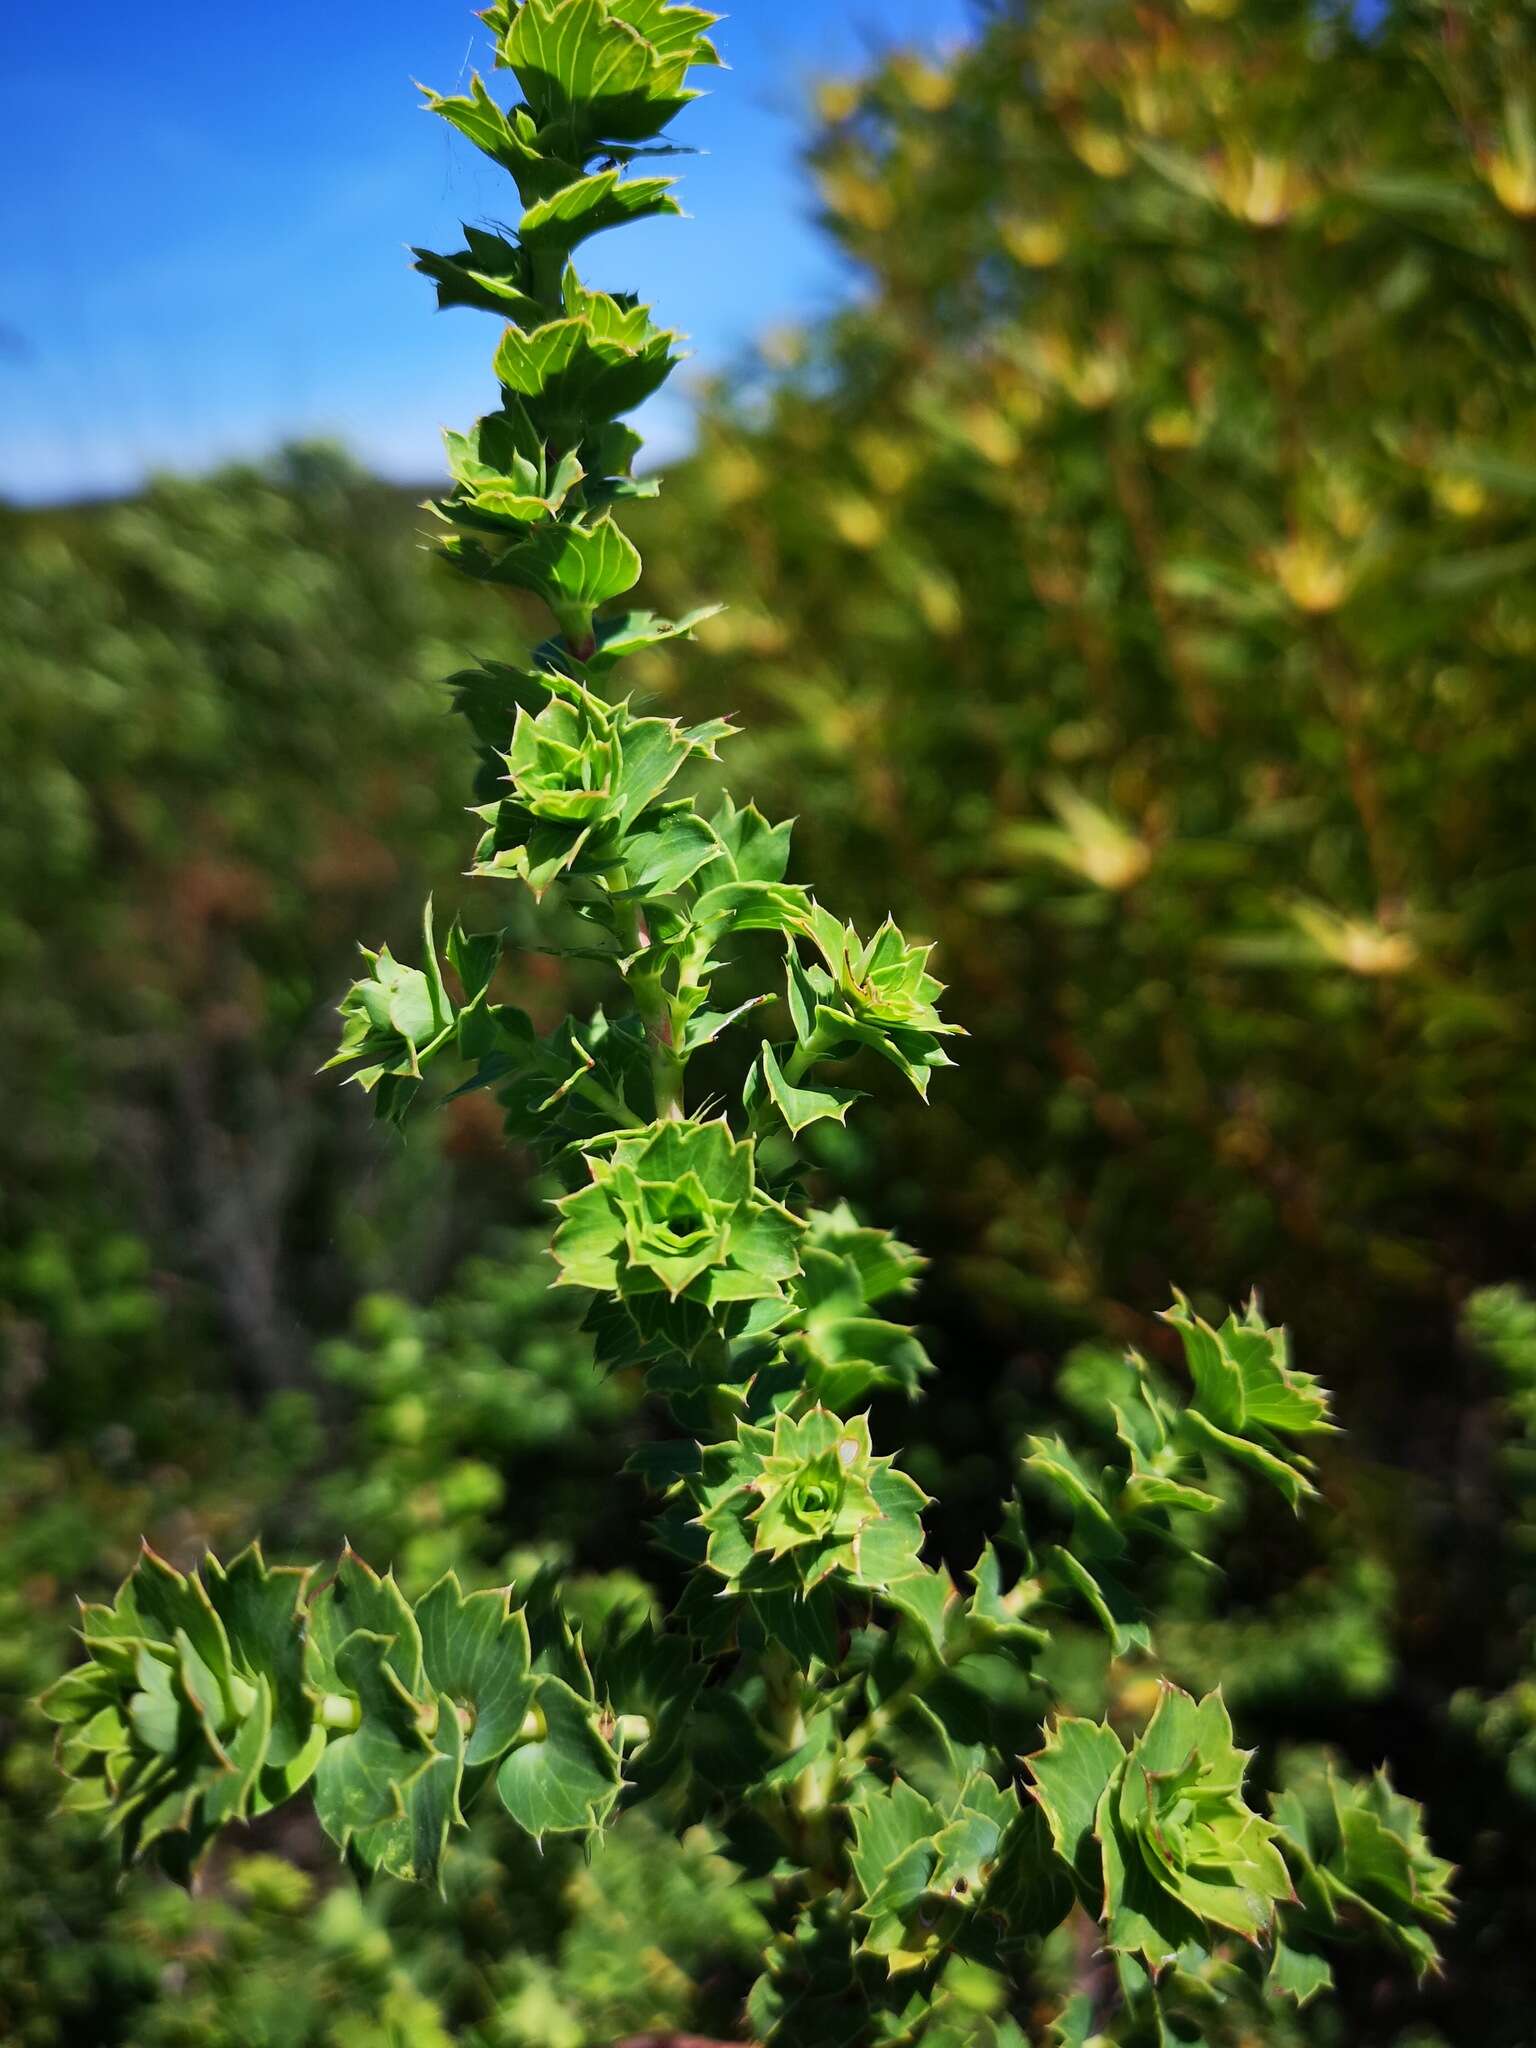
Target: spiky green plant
[[849, 1716]]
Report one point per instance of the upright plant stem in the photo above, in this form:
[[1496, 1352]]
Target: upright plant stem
[[651, 999]]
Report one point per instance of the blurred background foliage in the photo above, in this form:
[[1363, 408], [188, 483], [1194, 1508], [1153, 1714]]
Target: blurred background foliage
[[1135, 589]]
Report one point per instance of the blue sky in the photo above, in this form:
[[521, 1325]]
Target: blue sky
[[205, 213]]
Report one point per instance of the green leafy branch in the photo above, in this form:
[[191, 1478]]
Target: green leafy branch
[[824, 1692]]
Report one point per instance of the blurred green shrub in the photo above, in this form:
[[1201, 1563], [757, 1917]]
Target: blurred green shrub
[[1500, 1323], [222, 745], [480, 1428], [1138, 576]]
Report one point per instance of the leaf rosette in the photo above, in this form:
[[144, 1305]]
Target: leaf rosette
[[844, 1352], [397, 1019], [1363, 1864], [565, 764], [191, 1710], [675, 1209], [876, 992], [810, 1497], [503, 478], [603, 72], [809, 1493], [582, 775], [920, 1864], [1249, 1398], [394, 1019], [1160, 1835]]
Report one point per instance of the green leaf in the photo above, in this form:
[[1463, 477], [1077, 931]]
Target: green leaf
[[172, 1604], [748, 907], [999, 1615], [885, 1551], [1119, 1615], [474, 960], [504, 481], [545, 1083], [396, 1021], [412, 1845], [808, 1492], [1071, 1772], [926, 1598], [1298, 1973], [236, 1795], [1140, 1917], [604, 200], [844, 1353], [751, 849], [1051, 1461], [671, 29], [490, 274], [916, 1054], [889, 1823], [357, 1598], [884, 1264], [573, 568], [1029, 1888], [705, 1026], [566, 1781], [1215, 1371], [1145, 1491], [1175, 1815], [848, 1357], [637, 632], [1073, 2026], [1244, 1380], [1364, 1862], [475, 1651], [661, 861], [192, 1710], [262, 1609], [482, 122], [800, 1106], [366, 1773], [640, 1673], [598, 361], [155, 1709], [1252, 1456], [674, 1209], [971, 1840], [591, 77]]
